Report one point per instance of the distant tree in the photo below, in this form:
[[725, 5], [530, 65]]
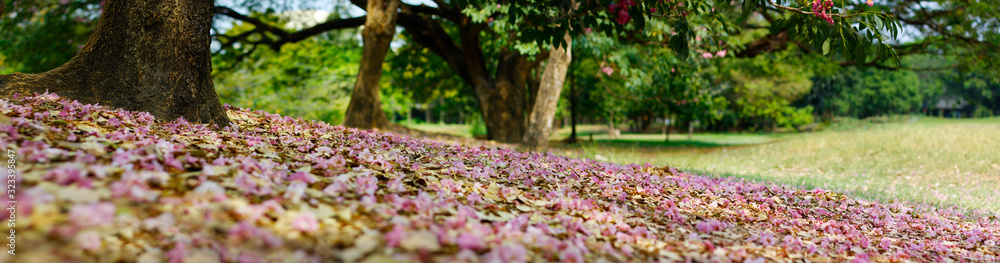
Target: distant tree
[[867, 92]]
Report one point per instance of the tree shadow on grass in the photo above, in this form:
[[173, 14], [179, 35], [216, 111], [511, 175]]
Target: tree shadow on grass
[[659, 146]]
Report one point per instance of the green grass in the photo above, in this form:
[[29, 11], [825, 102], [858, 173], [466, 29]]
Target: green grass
[[462, 130], [938, 161]]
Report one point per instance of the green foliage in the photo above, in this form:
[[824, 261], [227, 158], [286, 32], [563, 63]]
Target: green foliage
[[976, 88], [760, 90], [858, 35], [478, 126], [38, 35], [416, 75], [862, 93], [311, 79]]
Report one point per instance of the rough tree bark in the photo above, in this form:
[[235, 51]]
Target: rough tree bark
[[150, 56], [536, 138], [365, 108]]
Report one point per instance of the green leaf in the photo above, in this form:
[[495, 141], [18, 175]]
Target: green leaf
[[679, 42], [826, 47]]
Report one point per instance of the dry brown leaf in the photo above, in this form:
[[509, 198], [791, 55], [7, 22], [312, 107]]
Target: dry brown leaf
[[420, 240]]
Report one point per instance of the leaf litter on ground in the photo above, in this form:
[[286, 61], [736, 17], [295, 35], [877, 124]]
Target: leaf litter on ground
[[95, 184]]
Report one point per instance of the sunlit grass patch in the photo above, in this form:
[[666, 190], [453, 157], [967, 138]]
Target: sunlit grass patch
[[938, 161], [461, 130]]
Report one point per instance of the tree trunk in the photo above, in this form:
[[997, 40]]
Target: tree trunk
[[690, 129], [572, 111], [441, 113], [502, 102], [427, 112], [501, 93], [150, 56], [536, 138], [666, 126], [365, 108]]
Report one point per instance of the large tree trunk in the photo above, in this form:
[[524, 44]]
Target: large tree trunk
[[150, 56], [365, 108], [536, 138], [502, 101]]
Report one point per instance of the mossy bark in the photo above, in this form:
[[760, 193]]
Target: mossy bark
[[150, 56]]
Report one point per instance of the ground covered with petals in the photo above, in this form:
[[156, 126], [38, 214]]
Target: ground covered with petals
[[109, 185]]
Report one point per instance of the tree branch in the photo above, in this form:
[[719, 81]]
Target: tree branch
[[429, 33], [283, 37]]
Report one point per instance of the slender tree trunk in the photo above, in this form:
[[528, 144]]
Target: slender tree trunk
[[536, 138], [442, 112], [572, 111], [150, 56], [666, 126], [427, 112], [690, 129], [365, 108]]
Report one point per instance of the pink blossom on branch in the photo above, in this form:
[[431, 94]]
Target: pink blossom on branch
[[608, 70]]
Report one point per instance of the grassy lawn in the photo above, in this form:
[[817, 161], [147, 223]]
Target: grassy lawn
[[937, 161], [934, 160], [461, 130]]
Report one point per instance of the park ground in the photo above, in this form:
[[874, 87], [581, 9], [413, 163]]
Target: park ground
[[111, 185], [939, 161]]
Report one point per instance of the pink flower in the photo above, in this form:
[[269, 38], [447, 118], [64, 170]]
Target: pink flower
[[164, 223], [706, 55], [510, 252], [571, 254], [395, 236], [303, 177], [88, 240], [721, 53], [305, 222], [176, 255], [250, 257], [295, 191], [367, 184], [608, 70], [623, 16], [467, 240], [211, 188], [92, 214], [870, 3]]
